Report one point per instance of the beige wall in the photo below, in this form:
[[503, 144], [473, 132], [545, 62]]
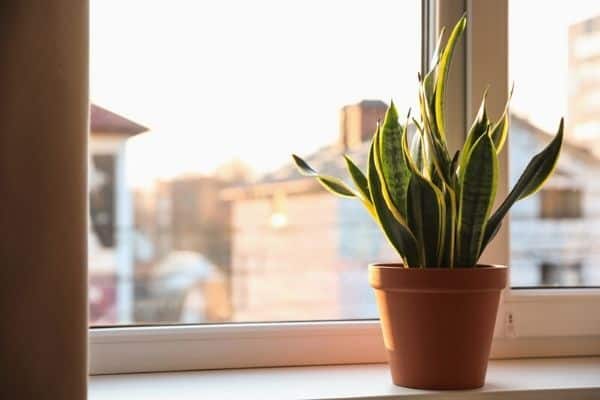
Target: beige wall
[[286, 273], [315, 267]]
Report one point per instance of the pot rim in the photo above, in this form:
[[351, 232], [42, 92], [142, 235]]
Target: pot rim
[[396, 277], [401, 267]]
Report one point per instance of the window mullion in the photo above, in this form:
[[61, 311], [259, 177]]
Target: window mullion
[[487, 65]]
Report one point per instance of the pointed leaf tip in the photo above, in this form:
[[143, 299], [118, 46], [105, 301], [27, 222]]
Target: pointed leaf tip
[[499, 130], [534, 176], [477, 194], [443, 69], [435, 57], [392, 111], [334, 185], [358, 177], [303, 166]]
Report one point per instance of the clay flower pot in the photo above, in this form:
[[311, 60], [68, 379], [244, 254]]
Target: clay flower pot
[[438, 323]]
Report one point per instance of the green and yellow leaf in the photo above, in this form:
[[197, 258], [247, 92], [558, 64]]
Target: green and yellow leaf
[[358, 177], [398, 234], [534, 176], [499, 131], [331, 184], [477, 194], [442, 74], [425, 212], [392, 162], [478, 129]]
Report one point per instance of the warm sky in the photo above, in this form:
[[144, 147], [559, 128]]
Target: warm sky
[[257, 80], [538, 49]]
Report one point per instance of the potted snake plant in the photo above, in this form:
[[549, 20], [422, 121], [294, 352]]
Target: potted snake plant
[[438, 306]]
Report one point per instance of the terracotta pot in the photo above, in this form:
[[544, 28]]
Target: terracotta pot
[[438, 323]]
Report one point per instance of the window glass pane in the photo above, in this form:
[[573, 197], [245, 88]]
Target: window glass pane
[[555, 63], [196, 212]]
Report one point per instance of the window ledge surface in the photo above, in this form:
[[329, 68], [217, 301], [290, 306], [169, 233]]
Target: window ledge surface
[[524, 379]]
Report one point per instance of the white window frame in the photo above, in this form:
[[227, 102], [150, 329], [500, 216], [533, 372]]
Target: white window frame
[[531, 323]]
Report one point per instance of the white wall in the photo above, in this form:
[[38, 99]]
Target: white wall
[[565, 241]]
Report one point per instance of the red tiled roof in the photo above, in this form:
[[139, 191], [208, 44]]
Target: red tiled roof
[[105, 121]]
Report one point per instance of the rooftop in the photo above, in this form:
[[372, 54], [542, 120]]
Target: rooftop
[[329, 161], [105, 121], [545, 137]]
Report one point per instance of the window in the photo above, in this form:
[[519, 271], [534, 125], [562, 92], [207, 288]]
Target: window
[[531, 322], [560, 203], [198, 215], [554, 233]]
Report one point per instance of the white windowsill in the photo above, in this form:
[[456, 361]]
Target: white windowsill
[[525, 379]]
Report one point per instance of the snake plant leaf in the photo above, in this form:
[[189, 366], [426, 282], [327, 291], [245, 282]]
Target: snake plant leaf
[[427, 111], [418, 149], [303, 167], [426, 218], [442, 74], [534, 176], [499, 131], [435, 57], [477, 194], [491, 237], [393, 164], [336, 186], [437, 147], [434, 172], [434, 207], [400, 217], [418, 126], [541, 166], [358, 177], [431, 76], [478, 129], [333, 185], [429, 88], [425, 211], [440, 159], [398, 234], [405, 151], [361, 182], [449, 228], [454, 164], [436, 178]]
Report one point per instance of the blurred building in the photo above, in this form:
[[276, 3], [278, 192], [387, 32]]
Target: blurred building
[[297, 251], [357, 122], [185, 213], [583, 118], [300, 253], [110, 244], [178, 220], [555, 234]]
